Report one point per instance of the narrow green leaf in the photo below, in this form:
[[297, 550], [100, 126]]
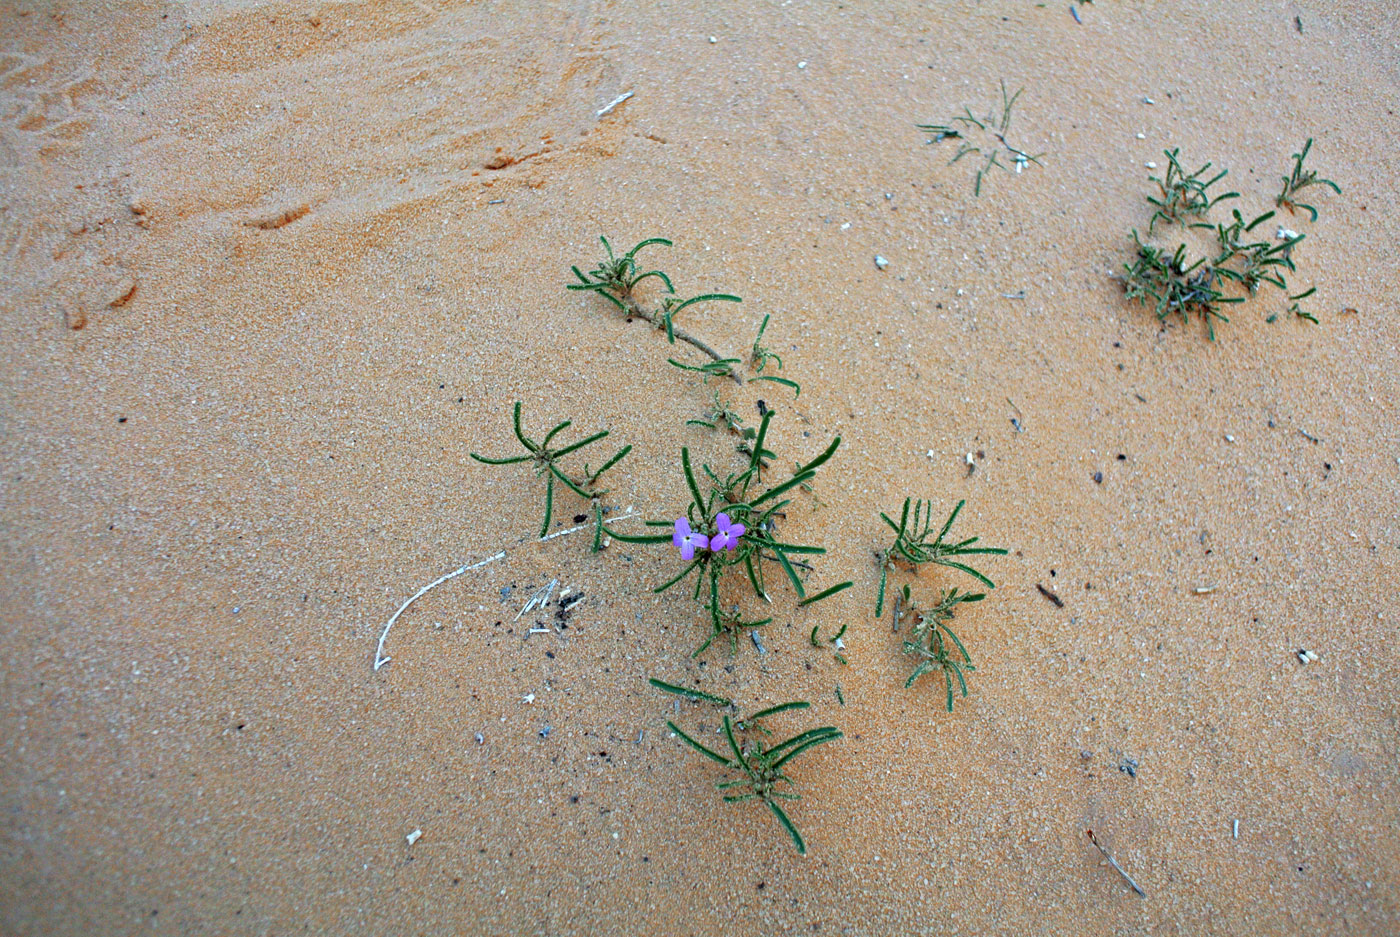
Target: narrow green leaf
[[825, 593], [687, 692]]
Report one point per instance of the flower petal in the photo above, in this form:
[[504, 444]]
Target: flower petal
[[722, 521], [737, 531], [687, 549], [682, 530]]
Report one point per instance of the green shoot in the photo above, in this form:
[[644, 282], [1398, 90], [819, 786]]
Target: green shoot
[[985, 139], [1299, 180], [546, 462], [1183, 195], [614, 278], [760, 768], [915, 545], [933, 642], [759, 357]]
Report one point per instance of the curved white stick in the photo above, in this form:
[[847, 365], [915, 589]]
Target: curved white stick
[[379, 657]]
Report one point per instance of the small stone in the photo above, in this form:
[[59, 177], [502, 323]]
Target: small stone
[[480, 739], [881, 262], [544, 733], [801, 64], [1151, 165], [413, 837]]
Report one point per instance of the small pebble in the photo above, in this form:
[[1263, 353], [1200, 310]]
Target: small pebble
[[1142, 136], [713, 40], [544, 733], [1151, 165], [413, 837], [801, 64], [480, 739], [881, 262]]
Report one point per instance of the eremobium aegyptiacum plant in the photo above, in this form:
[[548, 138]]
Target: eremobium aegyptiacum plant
[[731, 525]]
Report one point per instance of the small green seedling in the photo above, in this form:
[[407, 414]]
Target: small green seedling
[[1299, 180], [546, 462], [760, 357], [933, 642], [835, 642], [914, 547], [985, 138], [1183, 195], [761, 767], [1259, 261]]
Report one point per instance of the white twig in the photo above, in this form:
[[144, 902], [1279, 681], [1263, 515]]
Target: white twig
[[607, 108], [574, 530], [379, 657]]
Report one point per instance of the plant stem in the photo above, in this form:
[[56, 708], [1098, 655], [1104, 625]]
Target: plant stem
[[635, 310]]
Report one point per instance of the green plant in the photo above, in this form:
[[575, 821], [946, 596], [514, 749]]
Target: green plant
[[546, 461], [614, 278], [1183, 194], [1300, 179], [988, 140], [1176, 281], [835, 642], [760, 357], [913, 546], [730, 524], [1174, 286], [761, 767], [933, 642], [1260, 261]]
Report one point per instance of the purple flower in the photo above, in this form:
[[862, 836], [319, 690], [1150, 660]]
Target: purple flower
[[729, 534], [688, 540]]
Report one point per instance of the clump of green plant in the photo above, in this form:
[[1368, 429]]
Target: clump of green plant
[[1300, 179], [985, 139], [1175, 280], [731, 524], [760, 766], [616, 277], [546, 462], [915, 545], [932, 642], [1174, 286]]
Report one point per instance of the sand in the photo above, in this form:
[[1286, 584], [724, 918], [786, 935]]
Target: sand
[[271, 272]]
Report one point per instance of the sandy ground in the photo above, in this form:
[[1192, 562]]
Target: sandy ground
[[272, 271]]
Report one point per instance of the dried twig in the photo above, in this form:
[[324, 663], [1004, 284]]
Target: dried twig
[[1113, 862], [380, 658]]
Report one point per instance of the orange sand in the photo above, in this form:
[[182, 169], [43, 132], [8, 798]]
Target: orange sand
[[300, 311]]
